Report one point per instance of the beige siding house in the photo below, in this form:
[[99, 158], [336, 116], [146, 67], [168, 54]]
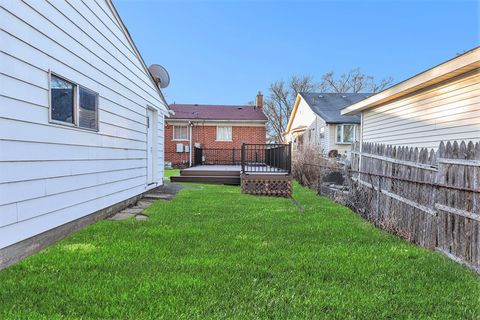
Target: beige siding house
[[442, 103], [316, 122]]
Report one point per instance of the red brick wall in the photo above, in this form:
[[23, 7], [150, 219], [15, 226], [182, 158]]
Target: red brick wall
[[206, 136]]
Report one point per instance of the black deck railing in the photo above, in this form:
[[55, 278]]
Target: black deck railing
[[217, 156], [266, 158], [253, 158]]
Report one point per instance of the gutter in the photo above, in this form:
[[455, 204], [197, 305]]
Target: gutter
[[219, 120]]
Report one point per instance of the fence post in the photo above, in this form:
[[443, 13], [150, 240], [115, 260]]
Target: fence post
[[379, 192], [243, 158], [289, 158], [233, 156], [319, 182]]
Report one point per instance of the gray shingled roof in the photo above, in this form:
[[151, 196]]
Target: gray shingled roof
[[328, 105]]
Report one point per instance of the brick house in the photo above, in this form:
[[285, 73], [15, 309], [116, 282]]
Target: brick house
[[212, 127]]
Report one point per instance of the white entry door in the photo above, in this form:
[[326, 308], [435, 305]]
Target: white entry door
[[151, 123]]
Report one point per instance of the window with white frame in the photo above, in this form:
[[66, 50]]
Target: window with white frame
[[345, 133], [73, 104], [180, 132], [224, 133]]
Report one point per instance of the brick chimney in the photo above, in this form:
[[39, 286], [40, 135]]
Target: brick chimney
[[259, 101]]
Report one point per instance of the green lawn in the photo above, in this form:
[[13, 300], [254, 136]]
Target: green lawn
[[214, 253], [171, 172]]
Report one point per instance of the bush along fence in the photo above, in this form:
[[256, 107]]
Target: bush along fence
[[429, 198]]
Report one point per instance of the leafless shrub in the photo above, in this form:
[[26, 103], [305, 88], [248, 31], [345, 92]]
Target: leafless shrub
[[311, 168]]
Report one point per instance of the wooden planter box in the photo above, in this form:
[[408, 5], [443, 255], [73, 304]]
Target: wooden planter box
[[267, 184]]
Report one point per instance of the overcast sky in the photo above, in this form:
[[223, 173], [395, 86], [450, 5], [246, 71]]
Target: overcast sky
[[223, 52]]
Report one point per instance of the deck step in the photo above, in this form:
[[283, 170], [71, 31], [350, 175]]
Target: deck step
[[234, 180], [209, 173]]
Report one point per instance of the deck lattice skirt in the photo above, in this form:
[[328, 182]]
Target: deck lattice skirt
[[267, 184]]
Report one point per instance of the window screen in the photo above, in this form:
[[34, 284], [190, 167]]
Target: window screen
[[88, 109], [62, 99], [224, 133], [345, 133], [348, 133], [180, 132]]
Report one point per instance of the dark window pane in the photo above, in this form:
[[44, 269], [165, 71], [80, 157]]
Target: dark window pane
[[339, 133], [348, 133], [88, 109], [62, 95]]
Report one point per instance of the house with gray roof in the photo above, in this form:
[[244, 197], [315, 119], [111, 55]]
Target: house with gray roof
[[316, 122]]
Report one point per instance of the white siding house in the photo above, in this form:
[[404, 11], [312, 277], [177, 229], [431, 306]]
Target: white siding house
[[316, 122], [81, 119], [442, 103]]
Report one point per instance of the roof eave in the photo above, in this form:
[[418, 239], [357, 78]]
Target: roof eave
[[340, 122], [294, 111], [137, 53], [461, 64], [223, 120]]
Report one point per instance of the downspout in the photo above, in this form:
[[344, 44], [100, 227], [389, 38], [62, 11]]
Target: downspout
[[190, 126], [361, 143]]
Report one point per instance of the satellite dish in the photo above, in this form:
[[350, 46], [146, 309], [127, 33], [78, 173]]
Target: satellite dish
[[160, 75]]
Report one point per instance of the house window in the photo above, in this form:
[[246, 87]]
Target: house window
[[180, 132], [73, 104], [345, 133], [224, 133], [88, 109], [62, 100], [322, 133]]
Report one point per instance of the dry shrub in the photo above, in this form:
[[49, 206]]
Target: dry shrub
[[311, 168]]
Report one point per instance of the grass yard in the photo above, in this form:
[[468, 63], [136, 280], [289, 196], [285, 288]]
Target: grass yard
[[214, 253]]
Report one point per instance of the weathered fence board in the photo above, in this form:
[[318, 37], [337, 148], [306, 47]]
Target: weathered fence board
[[430, 198]]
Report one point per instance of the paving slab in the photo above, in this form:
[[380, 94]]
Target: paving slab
[[143, 204], [133, 210], [158, 196], [141, 217], [121, 216]]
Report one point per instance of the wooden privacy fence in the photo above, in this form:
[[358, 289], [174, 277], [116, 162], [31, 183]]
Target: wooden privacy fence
[[430, 198]]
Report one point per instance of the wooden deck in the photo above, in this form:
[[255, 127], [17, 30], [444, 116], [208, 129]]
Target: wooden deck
[[221, 174], [264, 168]]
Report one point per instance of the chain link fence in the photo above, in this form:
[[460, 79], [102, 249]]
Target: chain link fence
[[429, 198]]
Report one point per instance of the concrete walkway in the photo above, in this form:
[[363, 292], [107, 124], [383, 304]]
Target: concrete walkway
[[163, 193]]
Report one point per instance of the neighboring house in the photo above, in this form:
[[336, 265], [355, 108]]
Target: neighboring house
[[81, 119], [316, 122], [442, 103], [212, 127]]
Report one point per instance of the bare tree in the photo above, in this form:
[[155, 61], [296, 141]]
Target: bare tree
[[279, 103], [353, 81]]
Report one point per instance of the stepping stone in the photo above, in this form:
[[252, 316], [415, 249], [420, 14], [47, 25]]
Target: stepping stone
[[133, 210], [141, 217], [121, 216], [158, 196], [143, 204]]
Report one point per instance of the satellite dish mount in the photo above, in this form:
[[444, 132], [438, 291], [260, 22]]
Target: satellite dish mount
[[160, 75]]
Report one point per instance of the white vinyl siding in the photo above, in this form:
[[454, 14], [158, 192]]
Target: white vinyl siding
[[50, 173], [326, 140], [224, 133], [449, 111]]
